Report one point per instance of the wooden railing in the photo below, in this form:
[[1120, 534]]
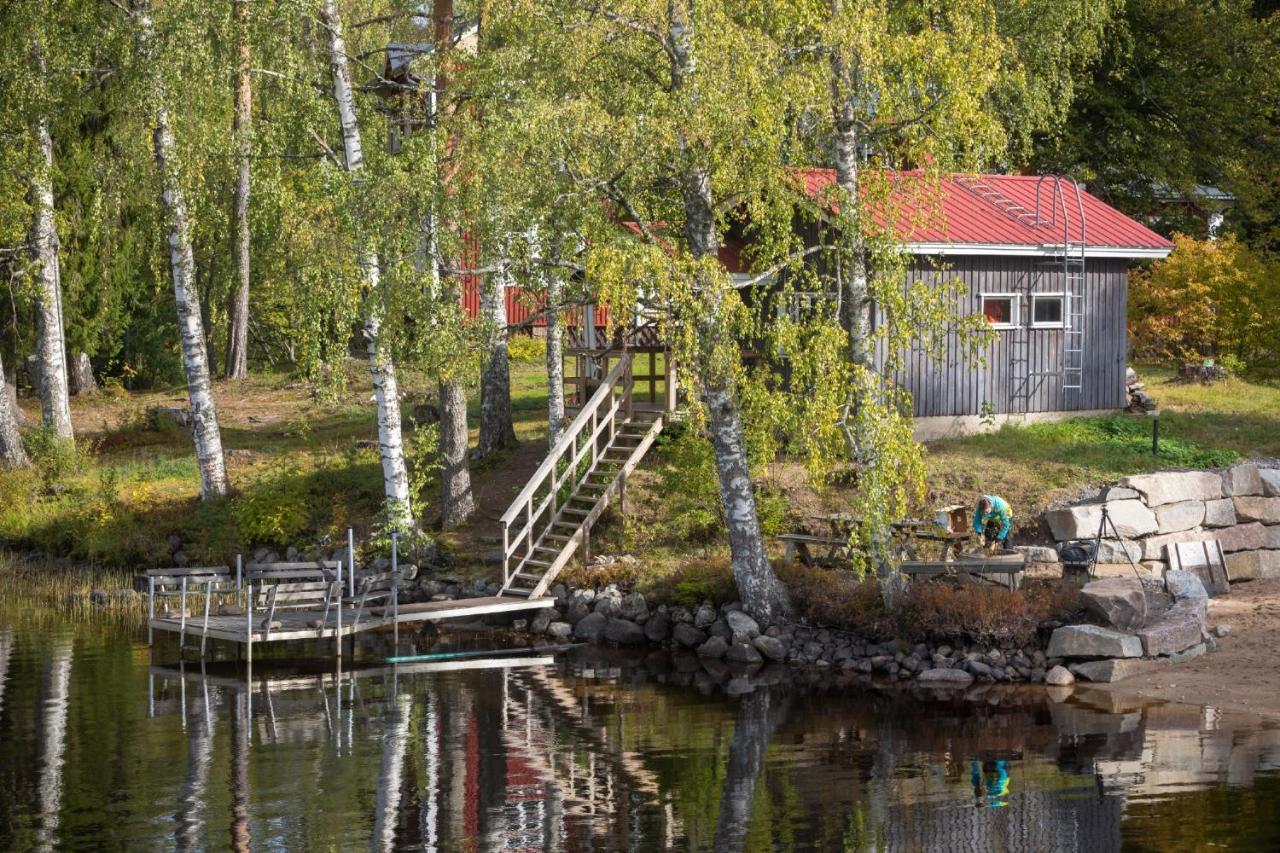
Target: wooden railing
[[569, 463]]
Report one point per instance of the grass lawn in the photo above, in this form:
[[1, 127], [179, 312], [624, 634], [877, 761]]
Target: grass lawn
[[304, 467], [1200, 426]]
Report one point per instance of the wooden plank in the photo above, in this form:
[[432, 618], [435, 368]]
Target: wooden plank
[[188, 572]]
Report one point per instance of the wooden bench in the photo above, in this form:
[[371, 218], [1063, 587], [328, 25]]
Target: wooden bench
[[298, 587], [1010, 569], [798, 543], [210, 582]]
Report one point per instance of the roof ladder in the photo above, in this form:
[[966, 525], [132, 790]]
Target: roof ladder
[[1071, 256]]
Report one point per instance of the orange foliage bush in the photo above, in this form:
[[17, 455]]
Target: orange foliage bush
[[935, 611]]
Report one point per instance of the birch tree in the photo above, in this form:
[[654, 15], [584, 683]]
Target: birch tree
[[497, 431], [381, 365], [12, 453], [203, 411], [238, 330]]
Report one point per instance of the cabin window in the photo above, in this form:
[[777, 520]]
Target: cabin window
[[1048, 310], [1000, 309]]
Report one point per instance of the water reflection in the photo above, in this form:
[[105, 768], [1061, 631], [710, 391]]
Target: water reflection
[[591, 752]]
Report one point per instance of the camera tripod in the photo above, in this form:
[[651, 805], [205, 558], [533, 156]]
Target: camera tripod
[[1103, 524]]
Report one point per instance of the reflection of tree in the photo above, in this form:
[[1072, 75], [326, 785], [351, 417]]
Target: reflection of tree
[[6, 650], [395, 741], [54, 727], [240, 836], [195, 790], [759, 715]]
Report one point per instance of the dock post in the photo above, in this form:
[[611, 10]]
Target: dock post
[[351, 562], [337, 637], [151, 609], [239, 574], [248, 622]]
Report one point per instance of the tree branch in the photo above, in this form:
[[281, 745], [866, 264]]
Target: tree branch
[[774, 270]]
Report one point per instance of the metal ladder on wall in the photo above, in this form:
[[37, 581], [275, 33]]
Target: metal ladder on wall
[[1071, 257]]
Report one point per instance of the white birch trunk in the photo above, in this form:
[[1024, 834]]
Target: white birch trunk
[[55, 398], [381, 366], [12, 453], [195, 361], [459, 502], [555, 360], [238, 331], [763, 595], [496, 429], [386, 392], [851, 271]]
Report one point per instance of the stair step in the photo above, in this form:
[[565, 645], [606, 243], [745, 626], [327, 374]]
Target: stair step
[[519, 591], [575, 511], [558, 538], [539, 563], [525, 576]]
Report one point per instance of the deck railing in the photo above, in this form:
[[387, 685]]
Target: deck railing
[[569, 462]]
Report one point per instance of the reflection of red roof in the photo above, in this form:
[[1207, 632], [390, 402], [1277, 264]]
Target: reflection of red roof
[[1000, 211]]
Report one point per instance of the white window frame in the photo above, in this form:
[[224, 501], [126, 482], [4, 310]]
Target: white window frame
[[1062, 299], [1015, 308]]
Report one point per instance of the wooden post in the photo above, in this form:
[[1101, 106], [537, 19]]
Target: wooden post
[[395, 589], [670, 384], [151, 608], [622, 496], [239, 574]]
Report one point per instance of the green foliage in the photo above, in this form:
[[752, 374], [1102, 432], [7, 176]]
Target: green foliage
[[276, 510], [1120, 437], [530, 348], [1209, 299], [696, 581], [54, 457]]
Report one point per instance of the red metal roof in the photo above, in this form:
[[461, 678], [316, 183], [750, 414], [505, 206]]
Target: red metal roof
[[999, 210]]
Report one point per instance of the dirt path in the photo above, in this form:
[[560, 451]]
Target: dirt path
[[1243, 674]]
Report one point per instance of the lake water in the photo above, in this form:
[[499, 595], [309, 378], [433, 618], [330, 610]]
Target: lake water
[[101, 748]]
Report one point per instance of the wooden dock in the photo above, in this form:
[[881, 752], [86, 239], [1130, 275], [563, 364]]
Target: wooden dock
[[280, 602]]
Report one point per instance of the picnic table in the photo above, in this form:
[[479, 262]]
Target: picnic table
[[829, 535]]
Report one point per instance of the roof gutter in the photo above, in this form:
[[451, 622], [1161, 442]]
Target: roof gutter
[[1042, 251]]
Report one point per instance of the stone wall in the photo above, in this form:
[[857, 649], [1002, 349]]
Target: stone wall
[[1239, 507]]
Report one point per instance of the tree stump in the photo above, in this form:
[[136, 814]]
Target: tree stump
[[80, 375]]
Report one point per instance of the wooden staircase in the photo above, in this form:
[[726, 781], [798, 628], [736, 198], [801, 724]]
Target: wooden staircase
[[587, 469]]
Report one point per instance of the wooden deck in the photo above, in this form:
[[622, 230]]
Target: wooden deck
[[316, 624]]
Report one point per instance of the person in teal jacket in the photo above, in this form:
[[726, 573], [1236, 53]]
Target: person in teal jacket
[[992, 520]]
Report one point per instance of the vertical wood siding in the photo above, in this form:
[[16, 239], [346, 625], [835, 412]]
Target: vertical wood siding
[[954, 386]]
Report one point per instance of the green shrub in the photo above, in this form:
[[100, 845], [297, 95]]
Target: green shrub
[[53, 457], [708, 579], [276, 509], [1125, 435], [530, 348], [690, 488]]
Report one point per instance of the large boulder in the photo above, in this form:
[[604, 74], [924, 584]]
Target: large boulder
[[658, 627], [1119, 602], [1253, 565], [1153, 546], [714, 648], [1271, 536], [634, 607], [770, 647], [1090, 641], [1118, 551], [1180, 627], [744, 653], [1059, 676], [590, 628], [1242, 479], [1270, 481], [1183, 515], [944, 678], [1219, 513], [1172, 486], [1037, 553], [742, 624], [688, 636], [1266, 510], [559, 630], [1182, 585], [1241, 537], [624, 632], [1132, 520], [1112, 670]]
